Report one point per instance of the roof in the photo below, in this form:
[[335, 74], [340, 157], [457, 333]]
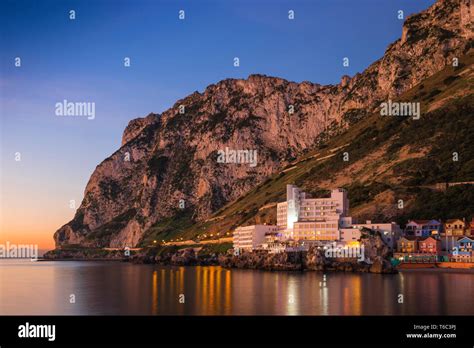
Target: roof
[[419, 222], [424, 222], [465, 237], [422, 239], [450, 221], [411, 238]]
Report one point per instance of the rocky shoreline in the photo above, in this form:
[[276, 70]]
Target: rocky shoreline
[[84, 254], [376, 258], [312, 260]]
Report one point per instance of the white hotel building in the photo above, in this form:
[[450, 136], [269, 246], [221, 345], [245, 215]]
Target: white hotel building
[[251, 237], [301, 218], [313, 219]]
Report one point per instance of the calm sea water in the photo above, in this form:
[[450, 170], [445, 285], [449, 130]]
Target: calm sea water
[[121, 288]]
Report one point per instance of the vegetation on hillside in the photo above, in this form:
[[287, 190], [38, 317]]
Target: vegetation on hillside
[[446, 126]]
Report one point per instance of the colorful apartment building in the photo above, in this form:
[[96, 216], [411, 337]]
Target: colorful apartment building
[[407, 245], [465, 245], [423, 228], [454, 227], [419, 245], [463, 250], [429, 245]]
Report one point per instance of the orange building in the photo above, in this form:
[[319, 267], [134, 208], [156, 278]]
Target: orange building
[[407, 244]]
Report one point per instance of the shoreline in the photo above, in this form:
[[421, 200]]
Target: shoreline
[[436, 265], [376, 258], [465, 270], [438, 270], [83, 259]]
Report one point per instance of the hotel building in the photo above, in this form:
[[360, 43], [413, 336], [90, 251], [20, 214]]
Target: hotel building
[[312, 219], [304, 219], [251, 237]]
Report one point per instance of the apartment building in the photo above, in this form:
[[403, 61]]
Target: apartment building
[[429, 245], [423, 228], [454, 227], [408, 244]]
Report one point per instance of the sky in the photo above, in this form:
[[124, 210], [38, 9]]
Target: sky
[[82, 60]]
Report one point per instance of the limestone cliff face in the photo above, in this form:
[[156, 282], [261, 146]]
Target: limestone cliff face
[[170, 158]]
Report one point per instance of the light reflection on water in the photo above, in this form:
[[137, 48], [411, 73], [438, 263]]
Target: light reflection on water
[[121, 288]]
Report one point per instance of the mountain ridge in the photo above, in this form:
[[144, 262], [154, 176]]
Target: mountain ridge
[[168, 159]]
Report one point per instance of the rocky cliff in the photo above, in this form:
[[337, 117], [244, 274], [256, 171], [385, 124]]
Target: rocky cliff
[[168, 163]]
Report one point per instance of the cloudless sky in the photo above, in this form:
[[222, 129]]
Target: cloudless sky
[[82, 60]]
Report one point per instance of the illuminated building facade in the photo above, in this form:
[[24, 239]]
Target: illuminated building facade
[[251, 237], [304, 218]]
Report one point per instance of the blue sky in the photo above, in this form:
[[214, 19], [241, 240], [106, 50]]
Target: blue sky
[[82, 60]]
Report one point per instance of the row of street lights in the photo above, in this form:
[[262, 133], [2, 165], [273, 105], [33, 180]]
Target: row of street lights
[[201, 236]]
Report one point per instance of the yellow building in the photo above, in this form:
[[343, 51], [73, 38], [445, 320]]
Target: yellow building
[[454, 227]]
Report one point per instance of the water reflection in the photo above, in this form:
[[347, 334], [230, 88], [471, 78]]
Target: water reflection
[[155, 293], [121, 288]]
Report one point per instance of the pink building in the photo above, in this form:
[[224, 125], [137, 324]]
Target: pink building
[[429, 245]]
